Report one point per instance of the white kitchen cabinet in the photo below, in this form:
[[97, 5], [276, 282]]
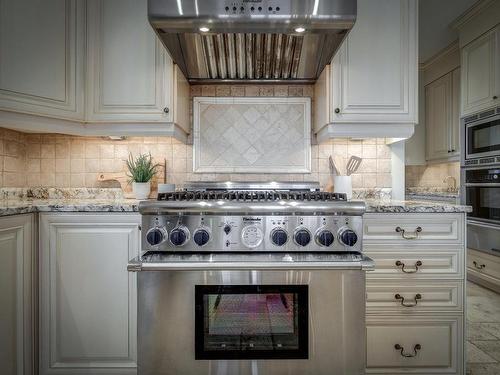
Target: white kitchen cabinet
[[481, 73], [17, 293], [129, 71], [442, 119], [428, 262], [87, 297], [373, 77], [42, 57], [89, 68]]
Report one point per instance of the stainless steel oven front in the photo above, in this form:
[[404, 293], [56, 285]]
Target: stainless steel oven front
[[256, 314], [482, 192], [481, 141]]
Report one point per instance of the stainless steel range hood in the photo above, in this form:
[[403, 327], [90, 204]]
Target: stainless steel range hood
[[252, 40]]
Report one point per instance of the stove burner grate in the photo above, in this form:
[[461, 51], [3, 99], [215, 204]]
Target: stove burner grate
[[251, 196]]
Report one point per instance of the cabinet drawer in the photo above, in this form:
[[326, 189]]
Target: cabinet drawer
[[483, 263], [413, 229], [416, 264], [414, 296], [414, 345]]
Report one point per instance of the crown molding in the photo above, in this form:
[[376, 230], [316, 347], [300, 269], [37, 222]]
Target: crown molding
[[451, 48], [470, 13]]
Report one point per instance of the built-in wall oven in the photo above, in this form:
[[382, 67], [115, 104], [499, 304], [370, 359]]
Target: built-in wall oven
[[481, 140], [481, 191]]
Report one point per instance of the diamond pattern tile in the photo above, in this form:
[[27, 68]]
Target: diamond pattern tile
[[252, 135]]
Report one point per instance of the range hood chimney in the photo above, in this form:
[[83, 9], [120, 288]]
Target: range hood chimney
[[252, 40]]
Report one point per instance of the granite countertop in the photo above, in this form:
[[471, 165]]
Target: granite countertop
[[14, 207], [413, 206], [435, 194]]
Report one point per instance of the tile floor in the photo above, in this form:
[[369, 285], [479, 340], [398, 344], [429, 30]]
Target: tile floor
[[483, 331]]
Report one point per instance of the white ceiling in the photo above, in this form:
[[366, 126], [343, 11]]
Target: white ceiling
[[435, 17]]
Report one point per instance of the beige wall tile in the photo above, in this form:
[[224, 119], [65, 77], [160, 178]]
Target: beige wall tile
[[62, 165], [48, 166], [106, 151], [63, 180], [62, 150], [92, 165], [77, 166], [92, 151], [77, 180], [47, 179], [48, 151]]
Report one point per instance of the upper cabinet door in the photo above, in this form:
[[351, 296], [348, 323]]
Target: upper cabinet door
[[438, 111], [41, 57], [374, 73], [129, 71], [481, 73]]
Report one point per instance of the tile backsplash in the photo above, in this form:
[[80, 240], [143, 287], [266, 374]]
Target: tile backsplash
[[54, 160], [432, 175]]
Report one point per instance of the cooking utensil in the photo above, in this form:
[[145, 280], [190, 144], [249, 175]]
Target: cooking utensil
[[340, 164], [353, 165], [333, 167]]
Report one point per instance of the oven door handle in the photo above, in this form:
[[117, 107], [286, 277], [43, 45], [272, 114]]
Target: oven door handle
[[136, 265], [482, 224], [482, 184]]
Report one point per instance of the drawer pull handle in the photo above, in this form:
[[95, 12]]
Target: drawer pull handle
[[413, 236], [401, 349], [402, 265], [417, 297], [479, 266]]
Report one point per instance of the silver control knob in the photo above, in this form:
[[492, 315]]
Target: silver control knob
[[348, 237], [179, 235], [156, 236], [279, 236], [201, 236], [302, 236], [252, 236]]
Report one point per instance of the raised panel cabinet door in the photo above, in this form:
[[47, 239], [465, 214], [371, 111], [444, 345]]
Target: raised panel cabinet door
[[87, 297], [17, 318], [374, 73], [129, 72], [480, 71], [438, 113], [42, 57], [455, 115]]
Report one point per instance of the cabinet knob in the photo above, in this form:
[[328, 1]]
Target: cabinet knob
[[495, 97], [401, 350], [166, 110], [337, 110]]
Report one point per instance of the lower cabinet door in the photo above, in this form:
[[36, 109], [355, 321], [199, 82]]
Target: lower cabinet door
[[17, 318], [87, 297], [423, 345]]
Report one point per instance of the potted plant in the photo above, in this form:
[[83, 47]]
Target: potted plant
[[141, 171]]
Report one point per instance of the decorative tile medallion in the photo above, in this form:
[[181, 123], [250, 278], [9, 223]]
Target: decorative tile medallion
[[252, 135]]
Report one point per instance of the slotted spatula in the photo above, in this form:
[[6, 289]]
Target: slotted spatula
[[353, 165]]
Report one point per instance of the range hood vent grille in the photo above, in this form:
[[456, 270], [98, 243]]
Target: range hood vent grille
[[214, 40], [251, 56]]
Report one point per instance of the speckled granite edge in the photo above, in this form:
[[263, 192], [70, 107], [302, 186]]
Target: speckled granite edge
[[410, 206], [12, 207], [60, 193], [372, 193]]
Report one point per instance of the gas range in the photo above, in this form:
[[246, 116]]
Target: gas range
[[244, 278], [209, 217]]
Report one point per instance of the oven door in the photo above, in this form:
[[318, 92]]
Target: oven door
[[232, 318], [485, 201], [483, 138]]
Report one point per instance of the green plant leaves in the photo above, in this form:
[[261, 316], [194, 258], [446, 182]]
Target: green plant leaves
[[141, 168]]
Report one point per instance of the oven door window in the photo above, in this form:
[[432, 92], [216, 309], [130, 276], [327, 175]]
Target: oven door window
[[485, 202], [483, 138], [251, 321]]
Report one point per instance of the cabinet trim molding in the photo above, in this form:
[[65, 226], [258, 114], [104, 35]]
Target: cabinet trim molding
[[35, 123], [71, 106]]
